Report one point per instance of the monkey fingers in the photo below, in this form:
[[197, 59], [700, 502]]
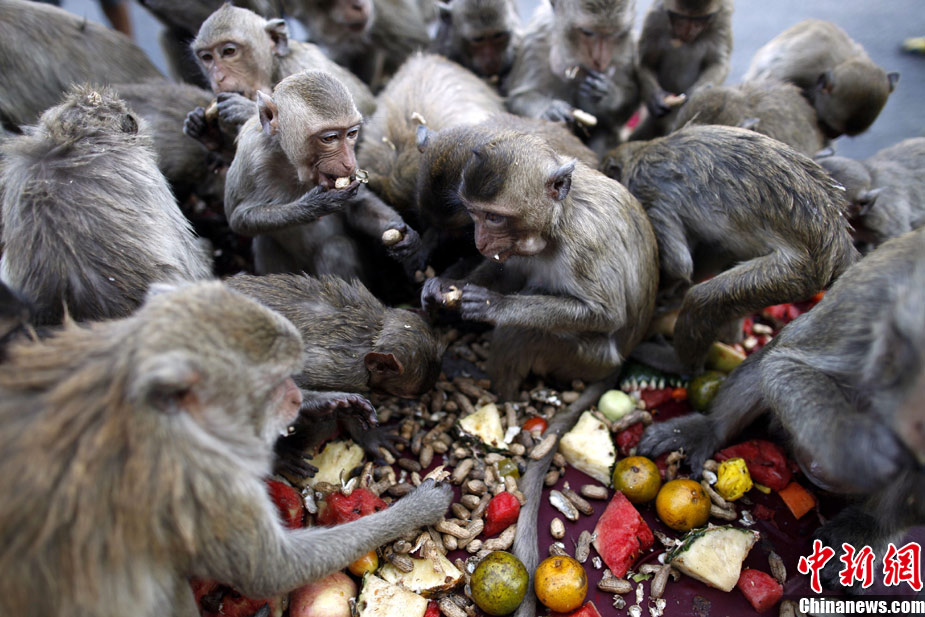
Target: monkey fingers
[[595, 85], [199, 128], [558, 111], [657, 105], [373, 439], [435, 290], [408, 247], [291, 459], [693, 433], [479, 303], [234, 109]]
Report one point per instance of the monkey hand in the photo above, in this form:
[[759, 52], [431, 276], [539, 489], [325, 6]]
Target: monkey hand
[[199, 128], [559, 111], [479, 304], [319, 201], [426, 505], [324, 403], [693, 433], [435, 290], [408, 249], [234, 110], [657, 105], [291, 459], [372, 439], [595, 86]]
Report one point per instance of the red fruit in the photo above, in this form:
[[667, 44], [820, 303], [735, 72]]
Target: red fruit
[[339, 508], [433, 609], [288, 502], [761, 590], [236, 605], [622, 535], [766, 462], [502, 512], [588, 610], [629, 438], [654, 398], [535, 422]]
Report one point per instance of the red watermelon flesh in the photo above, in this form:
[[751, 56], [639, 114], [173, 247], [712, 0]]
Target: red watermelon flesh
[[339, 508], [622, 535], [760, 589], [588, 610]]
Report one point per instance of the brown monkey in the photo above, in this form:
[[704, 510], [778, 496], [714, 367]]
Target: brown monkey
[[372, 38], [89, 222], [428, 89], [578, 55], [835, 73], [143, 457], [242, 53], [572, 269], [481, 35], [282, 187], [15, 315], [770, 107], [845, 382], [684, 47], [886, 191], [44, 50], [741, 198]]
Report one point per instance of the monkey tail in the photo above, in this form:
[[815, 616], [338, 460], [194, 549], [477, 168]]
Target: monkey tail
[[532, 484]]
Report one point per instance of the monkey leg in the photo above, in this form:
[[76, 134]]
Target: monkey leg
[[338, 255], [516, 352], [271, 258], [750, 286]]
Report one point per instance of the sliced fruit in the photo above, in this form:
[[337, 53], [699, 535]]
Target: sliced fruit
[[683, 504], [429, 577], [336, 456], [502, 512], [703, 388], [766, 462], [588, 448], [797, 499], [382, 599], [329, 597], [561, 583], [588, 610], [760, 589], [288, 503], [621, 535], [367, 563], [713, 555], [723, 357], [629, 438], [339, 508], [485, 426], [733, 479]]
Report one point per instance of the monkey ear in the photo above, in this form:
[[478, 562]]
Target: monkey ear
[[559, 182], [750, 124], [269, 114], [279, 33], [385, 364], [443, 11], [894, 79], [867, 199], [166, 383], [423, 136], [826, 82]]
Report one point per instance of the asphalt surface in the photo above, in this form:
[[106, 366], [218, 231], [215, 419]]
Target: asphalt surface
[[880, 27]]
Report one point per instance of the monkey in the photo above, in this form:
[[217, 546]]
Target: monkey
[[770, 107], [89, 222], [844, 381], [41, 40], [241, 53], [684, 47], [738, 197], [282, 186], [481, 35], [372, 38], [572, 274], [886, 191], [835, 73], [428, 89], [354, 345], [578, 56], [144, 454], [15, 316]]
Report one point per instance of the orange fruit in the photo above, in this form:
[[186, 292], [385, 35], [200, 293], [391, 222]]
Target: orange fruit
[[499, 583], [367, 563], [561, 583], [638, 478], [683, 504]]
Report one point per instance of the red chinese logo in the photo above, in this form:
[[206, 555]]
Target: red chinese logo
[[815, 562], [903, 565]]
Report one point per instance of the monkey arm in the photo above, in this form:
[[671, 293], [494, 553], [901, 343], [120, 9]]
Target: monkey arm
[[716, 61], [371, 216], [254, 216]]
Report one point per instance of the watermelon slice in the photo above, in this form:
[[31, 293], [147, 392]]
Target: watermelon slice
[[288, 502], [339, 508], [502, 512], [588, 610], [760, 589], [765, 460], [622, 535]]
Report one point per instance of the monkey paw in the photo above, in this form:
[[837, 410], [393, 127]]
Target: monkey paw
[[407, 249], [323, 403], [693, 433], [197, 126], [558, 111], [479, 303], [290, 459], [427, 504], [372, 439], [234, 109], [435, 290], [595, 86], [851, 526]]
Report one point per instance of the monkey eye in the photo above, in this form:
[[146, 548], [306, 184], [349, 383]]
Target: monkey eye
[[477, 39], [228, 51], [328, 138], [586, 33], [205, 56], [494, 220], [353, 133]]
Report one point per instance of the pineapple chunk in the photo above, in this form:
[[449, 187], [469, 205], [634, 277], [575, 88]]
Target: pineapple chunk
[[430, 577], [588, 448], [336, 456], [485, 425], [382, 599], [713, 555]]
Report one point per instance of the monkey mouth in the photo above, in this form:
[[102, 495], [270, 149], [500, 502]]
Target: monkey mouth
[[357, 27], [500, 256]]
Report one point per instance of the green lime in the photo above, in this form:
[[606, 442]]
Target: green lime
[[499, 583]]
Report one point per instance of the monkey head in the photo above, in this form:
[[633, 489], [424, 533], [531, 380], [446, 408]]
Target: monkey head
[[485, 31], [317, 124], [89, 112], [352, 16], [689, 18], [849, 97], [514, 190], [233, 377], [237, 50], [587, 33], [405, 360]]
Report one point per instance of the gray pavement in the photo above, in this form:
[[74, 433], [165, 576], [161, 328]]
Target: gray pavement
[[879, 26]]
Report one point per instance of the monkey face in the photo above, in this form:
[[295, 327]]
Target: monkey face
[[232, 67], [686, 28], [490, 52], [500, 233], [355, 16], [594, 46], [329, 155]]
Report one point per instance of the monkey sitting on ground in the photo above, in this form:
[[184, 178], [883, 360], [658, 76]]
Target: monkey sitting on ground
[[573, 272], [886, 191], [284, 185], [241, 53], [142, 457], [717, 193], [89, 222], [481, 35], [846, 382], [354, 345], [684, 47], [835, 73], [770, 107], [578, 55]]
